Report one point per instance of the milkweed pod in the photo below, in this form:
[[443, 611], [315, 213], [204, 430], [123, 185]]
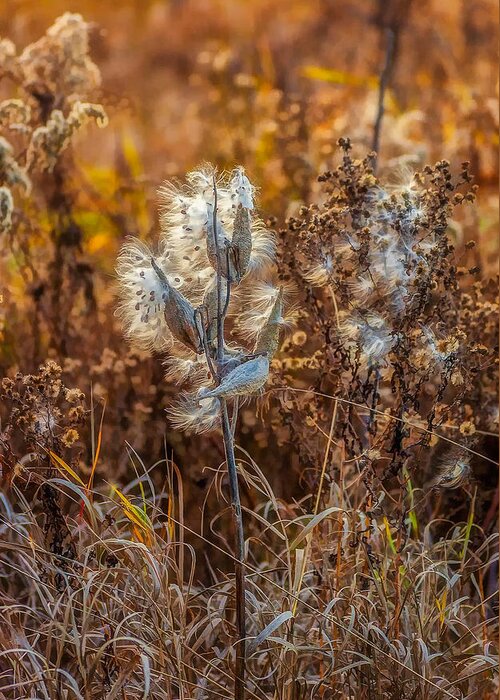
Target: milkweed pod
[[220, 244], [242, 239], [269, 335], [245, 379], [211, 306], [230, 361], [179, 313]]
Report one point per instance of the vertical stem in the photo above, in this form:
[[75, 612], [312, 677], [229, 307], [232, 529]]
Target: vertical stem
[[220, 315], [239, 567]]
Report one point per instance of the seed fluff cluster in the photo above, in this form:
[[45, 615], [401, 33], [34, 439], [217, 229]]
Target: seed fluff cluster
[[392, 310], [212, 269]]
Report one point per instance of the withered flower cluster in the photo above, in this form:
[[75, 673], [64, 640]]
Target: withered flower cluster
[[390, 330], [44, 416], [53, 76]]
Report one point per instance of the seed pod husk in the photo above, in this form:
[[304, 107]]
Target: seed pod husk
[[179, 313], [269, 335], [242, 239], [226, 254], [210, 303], [245, 379]]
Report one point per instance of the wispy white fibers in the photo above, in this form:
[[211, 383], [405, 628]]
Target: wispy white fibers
[[142, 297], [171, 302]]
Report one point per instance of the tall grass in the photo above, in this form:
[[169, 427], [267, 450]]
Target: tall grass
[[333, 609]]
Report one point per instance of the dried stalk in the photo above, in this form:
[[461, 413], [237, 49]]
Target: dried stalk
[[239, 565]]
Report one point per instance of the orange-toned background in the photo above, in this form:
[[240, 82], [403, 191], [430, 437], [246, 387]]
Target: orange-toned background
[[273, 84]]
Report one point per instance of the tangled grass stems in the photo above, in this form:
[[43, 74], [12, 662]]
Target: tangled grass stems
[[295, 597], [120, 547], [390, 417], [109, 590]]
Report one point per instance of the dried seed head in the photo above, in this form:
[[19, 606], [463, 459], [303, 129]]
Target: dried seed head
[[193, 416], [263, 247], [467, 428], [443, 349], [454, 470], [187, 226], [15, 114], [60, 59], [190, 368], [48, 141], [70, 437], [320, 275], [370, 333], [11, 173]]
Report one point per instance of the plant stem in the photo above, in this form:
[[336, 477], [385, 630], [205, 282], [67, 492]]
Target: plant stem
[[239, 566], [220, 314]]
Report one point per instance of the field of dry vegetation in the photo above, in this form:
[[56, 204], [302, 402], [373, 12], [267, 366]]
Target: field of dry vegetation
[[248, 350]]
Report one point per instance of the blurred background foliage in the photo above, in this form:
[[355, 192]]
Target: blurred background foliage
[[270, 85]]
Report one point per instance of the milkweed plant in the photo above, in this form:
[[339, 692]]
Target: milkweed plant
[[213, 268]]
